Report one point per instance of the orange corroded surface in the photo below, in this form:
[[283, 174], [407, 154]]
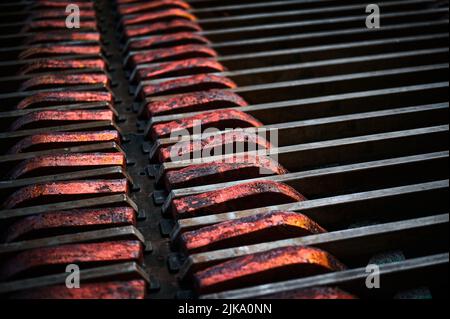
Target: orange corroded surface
[[63, 138], [92, 187], [73, 220], [239, 197], [57, 36], [167, 40], [80, 115], [223, 143], [230, 169], [60, 50], [250, 230], [197, 101], [153, 5], [43, 65], [64, 79], [58, 24], [158, 16], [313, 293], [116, 251], [199, 82], [67, 160], [65, 97], [175, 53], [220, 119], [63, 4], [133, 289], [177, 68], [176, 25], [268, 266]]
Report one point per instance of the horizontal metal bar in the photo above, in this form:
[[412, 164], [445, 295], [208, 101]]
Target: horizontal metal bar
[[76, 175], [109, 201], [333, 278], [330, 144], [89, 236], [264, 111], [97, 273], [329, 241], [299, 176], [307, 206]]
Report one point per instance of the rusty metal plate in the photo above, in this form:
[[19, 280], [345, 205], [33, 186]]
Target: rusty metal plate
[[220, 119], [178, 68], [53, 139], [59, 36], [158, 16], [215, 145], [59, 64], [168, 40], [178, 52], [191, 102], [133, 289], [64, 97], [270, 266], [59, 50], [231, 169], [118, 251], [249, 230], [70, 220], [63, 80], [65, 161], [62, 189], [173, 26], [314, 293], [240, 197], [61, 116], [152, 6]]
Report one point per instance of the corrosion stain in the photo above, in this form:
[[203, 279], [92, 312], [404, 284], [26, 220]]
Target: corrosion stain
[[60, 50], [196, 101], [57, 64], [179, 68], [60, 36], [64, 97], [158, 16], [71, 220], [219, 144], [220, 119], [56, 24], [54, 116], [63, 138], [250, 230], [199, 82], [239, 197], [313, 293], [67, 160], [151, 6], [132, 289], [175, 53], [114, 251], [89, 187], [168, 40], [273, 265], [162, 27], [230, 169], [64, 79]]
